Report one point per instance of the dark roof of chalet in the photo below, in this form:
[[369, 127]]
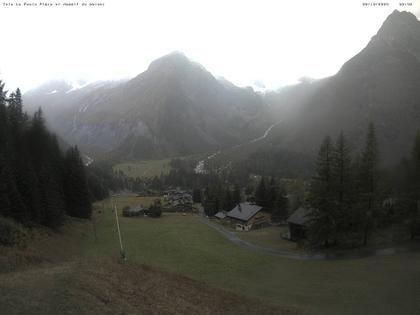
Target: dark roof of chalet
[[244, 211], [299, 217], [220, 215]]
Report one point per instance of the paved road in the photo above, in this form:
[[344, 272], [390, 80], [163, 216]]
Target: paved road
[[361, 253]]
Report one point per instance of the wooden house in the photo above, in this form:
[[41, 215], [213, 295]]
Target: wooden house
[[246, 216], [297, 223]]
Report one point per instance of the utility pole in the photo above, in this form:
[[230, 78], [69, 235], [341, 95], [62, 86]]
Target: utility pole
[[122, 251]]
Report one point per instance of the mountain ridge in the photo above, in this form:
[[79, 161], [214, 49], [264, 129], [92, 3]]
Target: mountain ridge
[[175, 107], [379, 85]]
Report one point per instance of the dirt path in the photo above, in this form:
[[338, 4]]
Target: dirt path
[[339, 255]]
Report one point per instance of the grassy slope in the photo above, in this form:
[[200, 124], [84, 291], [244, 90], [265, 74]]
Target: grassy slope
[[108, 287], [149, 168], [378, 285], [47, 246], [52, 278]]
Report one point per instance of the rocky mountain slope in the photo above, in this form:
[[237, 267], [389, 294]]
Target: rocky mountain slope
[[175, 107], [380, 84]]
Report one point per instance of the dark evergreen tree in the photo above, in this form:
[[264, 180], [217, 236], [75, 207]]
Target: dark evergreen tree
[[32, 167], [236, 196], [51, 198], [271, 195], [196, 195], [261, 193], [322, 216], [75, 186], [343, 188], [155, 209], [368, 183], [414, 208], [211, 202], [5, 204], [281, 206], [227, 203]]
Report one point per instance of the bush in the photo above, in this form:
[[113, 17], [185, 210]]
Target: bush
[[12, 233], [155, 211]]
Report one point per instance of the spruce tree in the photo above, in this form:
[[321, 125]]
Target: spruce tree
[[281, 205], [368, 182], [227, 203], [322, 215], [14, 207], [341, 171], [196, 196], [414, 211], [47, 163], [261, 193], [272, 194], [51, 198], [75, 186], [5, 204], [342, 175], [236, 197], [3, 120]]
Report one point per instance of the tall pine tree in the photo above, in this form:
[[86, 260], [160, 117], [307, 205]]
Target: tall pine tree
[[261, 193], [75, 186], [343, 188], [322, 216], [414, 211], [368, 183]]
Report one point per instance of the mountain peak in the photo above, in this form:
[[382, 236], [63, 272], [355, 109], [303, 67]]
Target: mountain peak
[[399, 23], [401, 16], [173, 59], [399, 32]]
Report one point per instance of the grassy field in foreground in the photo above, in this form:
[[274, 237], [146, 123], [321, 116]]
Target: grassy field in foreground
[[377, 285], [147, 168]]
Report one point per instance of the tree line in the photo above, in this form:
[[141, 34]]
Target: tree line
[[351, 195], [272, 196], [39, 183]]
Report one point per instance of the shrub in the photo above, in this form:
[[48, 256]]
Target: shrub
[[12, 233], [155, 211]]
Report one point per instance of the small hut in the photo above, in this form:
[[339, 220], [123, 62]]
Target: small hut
[[298, 224]]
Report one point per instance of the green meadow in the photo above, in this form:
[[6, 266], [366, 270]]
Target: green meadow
[[181, 243]]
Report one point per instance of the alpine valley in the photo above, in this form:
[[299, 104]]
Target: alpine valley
[[176, 107]]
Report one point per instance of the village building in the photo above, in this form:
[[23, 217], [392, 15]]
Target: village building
[[297, 223], [246, 216]]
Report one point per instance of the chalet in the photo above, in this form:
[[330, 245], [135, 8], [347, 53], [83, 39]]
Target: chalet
[[297, 224], [246, 216]]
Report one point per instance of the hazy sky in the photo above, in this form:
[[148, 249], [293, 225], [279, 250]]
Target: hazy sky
[[275, 42]]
